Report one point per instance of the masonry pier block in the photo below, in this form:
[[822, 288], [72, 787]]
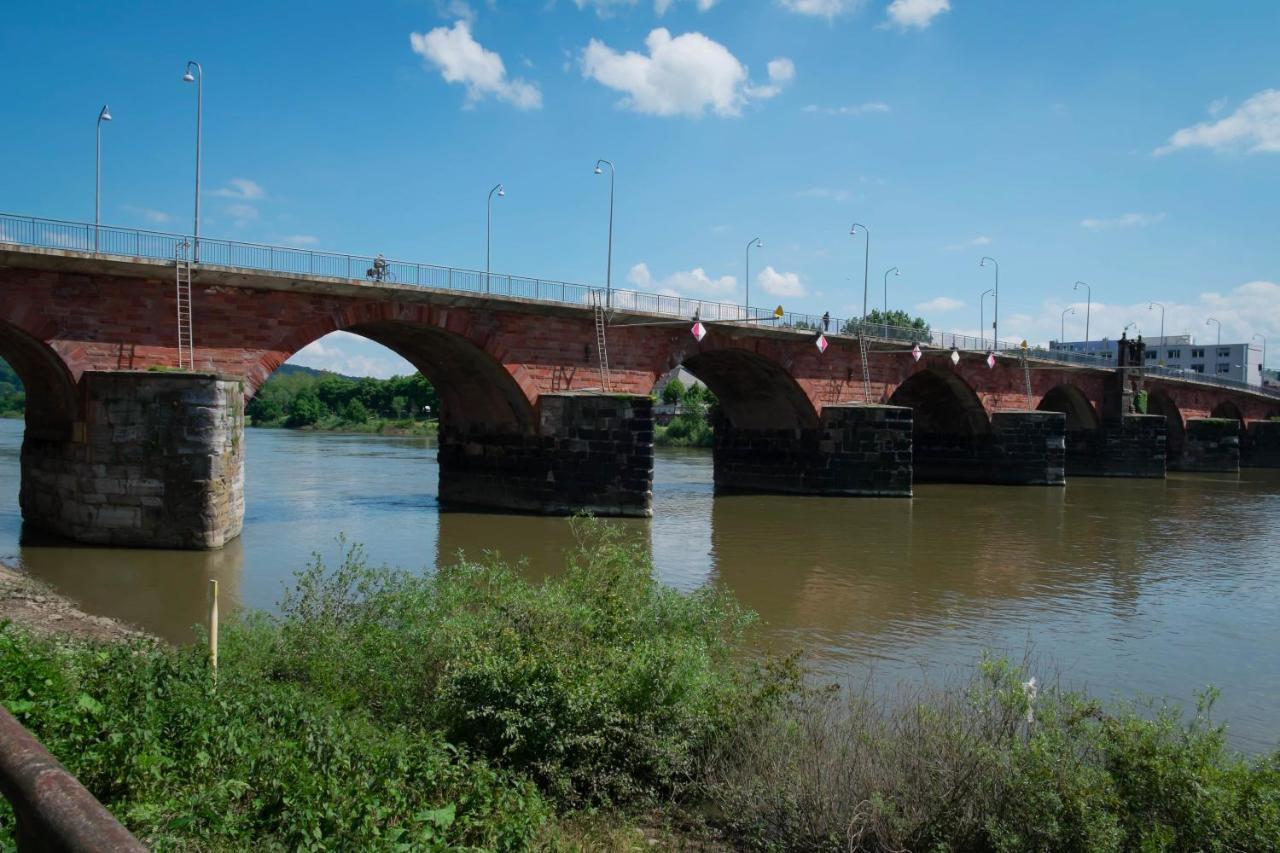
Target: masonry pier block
[[1210, 445], [1020, 448], [855, 451], [1131, 446], [158, 462], [1261, 446], [592, 453]]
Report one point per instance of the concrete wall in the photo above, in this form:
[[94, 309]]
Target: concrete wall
[[1211, 445], [1133, 446], [593, 453], [158, 462], [857, 450]]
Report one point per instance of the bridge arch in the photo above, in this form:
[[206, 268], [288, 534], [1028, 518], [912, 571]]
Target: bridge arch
[[1159, 402], [52, 402], [942, 404], [1073, 403], [1229, 410], [753, 392]]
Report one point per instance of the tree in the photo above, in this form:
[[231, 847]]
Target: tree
[[355, 412], [900, 319], [674, 392], [305, 410]]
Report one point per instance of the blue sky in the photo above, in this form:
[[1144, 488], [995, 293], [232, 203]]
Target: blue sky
[[1133, 146]]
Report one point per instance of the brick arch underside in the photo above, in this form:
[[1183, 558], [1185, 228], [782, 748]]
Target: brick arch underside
[[1160, 403], [52, 400], [1073, 403], [941, 404], [1228, 409], [753, 392], [477, 392]]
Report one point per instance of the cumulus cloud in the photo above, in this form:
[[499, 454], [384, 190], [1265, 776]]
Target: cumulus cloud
[[969, 244], [242, 214], [869, 108], [461, 59], [940, 304], [681, 75], [820, 8], [156, 217], [694, 282], [1254, 127], [1126, 220], [780, 283], [241, 188], [916, 14], [661, 6], [351, 355]]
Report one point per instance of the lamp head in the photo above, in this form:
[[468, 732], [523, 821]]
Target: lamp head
[[896, 272], [105, 115], [502, 191], [599, 171], [188, 78], [982, 263]]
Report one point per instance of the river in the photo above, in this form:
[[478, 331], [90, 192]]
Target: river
[[1126, 587]]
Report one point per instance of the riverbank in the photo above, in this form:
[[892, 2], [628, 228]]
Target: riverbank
[[599, 709], [374, 426], [35, 607]]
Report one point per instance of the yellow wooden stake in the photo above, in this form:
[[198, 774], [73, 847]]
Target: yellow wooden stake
[[213, 627]]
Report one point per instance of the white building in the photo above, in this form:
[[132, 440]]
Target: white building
[[1241, 362]]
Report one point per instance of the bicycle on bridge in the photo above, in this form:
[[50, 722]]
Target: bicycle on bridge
[[380, 271]]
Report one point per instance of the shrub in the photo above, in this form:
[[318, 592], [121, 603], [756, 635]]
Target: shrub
[[673, 392]]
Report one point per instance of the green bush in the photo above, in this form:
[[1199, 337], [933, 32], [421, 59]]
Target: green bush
[[673, 392]]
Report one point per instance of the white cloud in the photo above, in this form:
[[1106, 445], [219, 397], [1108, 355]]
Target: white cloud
[[940, 304], [1127, 220], [661, 6], [916, 13], [820, 8], [241, 188], [693, 282], [352, 355], [1254, 127], [684, 75], [780, 283], [824, 192], [869, 108], [242, 214], [461, 59], [969, 244], [455, 10], [156, 217], [299, 240]]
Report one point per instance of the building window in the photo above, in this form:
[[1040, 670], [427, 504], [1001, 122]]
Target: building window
[[1151, 354], [1197, 353], [1224, 368], [1198, 368], [1174, 353], [1224, 352]]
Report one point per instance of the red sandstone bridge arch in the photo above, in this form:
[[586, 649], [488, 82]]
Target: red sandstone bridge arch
[[942, 403], [1071, 401], [52, 403], [1160, 402], [753, 391]]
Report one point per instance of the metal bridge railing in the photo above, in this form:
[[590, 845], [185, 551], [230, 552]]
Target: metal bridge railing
[[133, 243]]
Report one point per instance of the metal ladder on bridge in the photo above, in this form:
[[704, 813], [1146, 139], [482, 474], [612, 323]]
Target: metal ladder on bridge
[[186, 353], [1026, 375], [866, 368], [601, 348]]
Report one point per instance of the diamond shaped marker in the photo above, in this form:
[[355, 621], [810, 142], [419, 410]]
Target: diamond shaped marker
[[699, 331], [821, 343], [991, 359], [955, 356], [915, 352]]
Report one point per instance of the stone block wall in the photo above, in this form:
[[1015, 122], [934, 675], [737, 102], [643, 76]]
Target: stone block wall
[[593, 453], [1261, 445], [856, 450], [1132, 446], [1022, 448], [158, 462], [1210, 445]]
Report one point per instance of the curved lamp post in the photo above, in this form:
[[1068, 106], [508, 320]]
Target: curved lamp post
[[608, 276], [103, 115], [1062, 325], [1088, 310], [198, 79], [1263, 365], [755, 241], [982, 318], [896, 272], [866, 263], [1213, 320], [995, 307], [488, 229], [1151, 307]]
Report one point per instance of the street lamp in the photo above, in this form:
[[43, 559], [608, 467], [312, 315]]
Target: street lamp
[[896, 272], [1088, 310], [995, 304], [866, 264], [198, 79], [1263, 365], [755, 241], [1212, 320], [608, 281], [1062, 325], [982, 318], [103, 115], [1162, 343], [488, 229]]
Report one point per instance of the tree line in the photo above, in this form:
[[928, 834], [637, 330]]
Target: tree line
[[297, 397]]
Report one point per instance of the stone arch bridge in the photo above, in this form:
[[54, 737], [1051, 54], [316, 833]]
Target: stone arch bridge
[[120, 448]]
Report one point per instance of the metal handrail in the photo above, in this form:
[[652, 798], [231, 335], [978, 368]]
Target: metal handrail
[[137, 243]]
